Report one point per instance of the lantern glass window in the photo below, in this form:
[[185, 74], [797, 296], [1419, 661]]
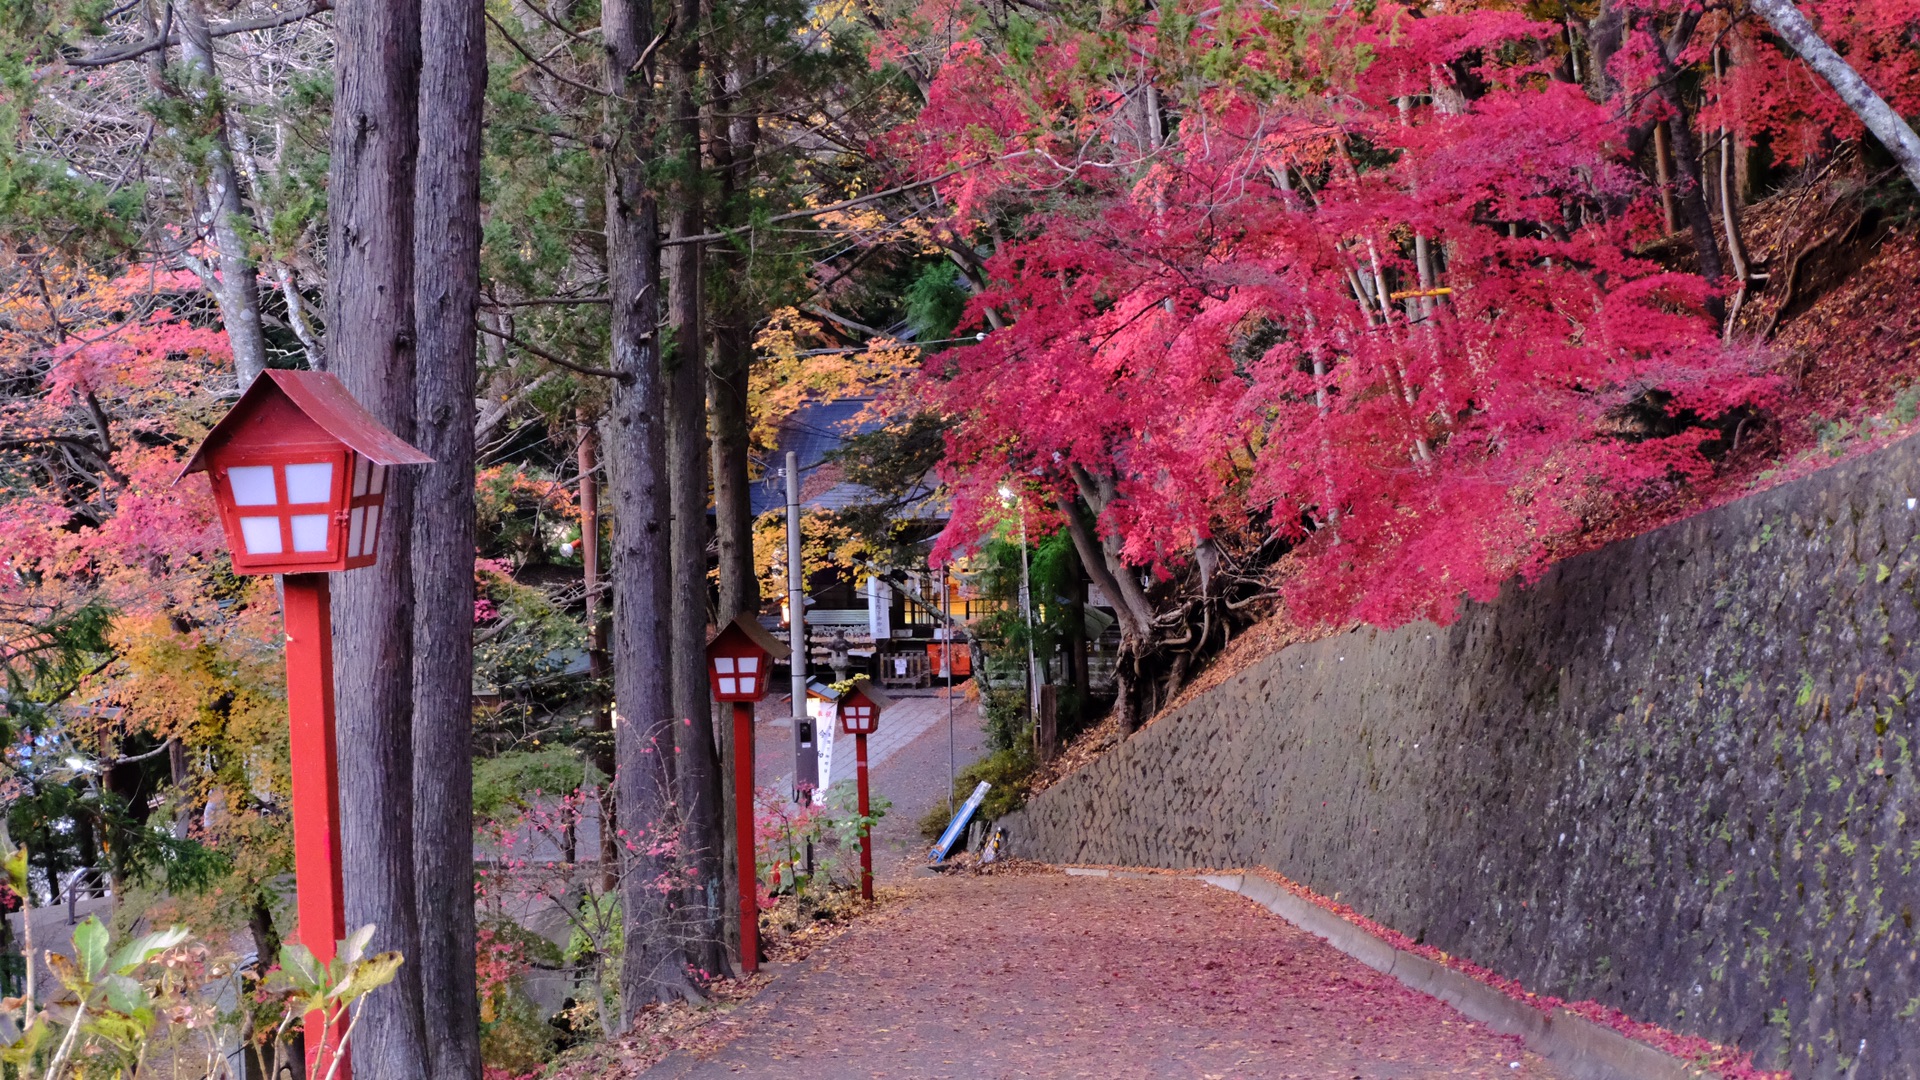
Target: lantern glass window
[[746, 684], [310, 482], [729, 685], [261, 535], [749, 664], [372, 535], [310, 532], [724, 665], [252, 485], [379, 483], [361, 469]]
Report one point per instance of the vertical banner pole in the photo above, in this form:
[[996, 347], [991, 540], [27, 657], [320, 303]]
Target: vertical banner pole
[[307, 612], [743, 828], [806, 761], [866, 834]]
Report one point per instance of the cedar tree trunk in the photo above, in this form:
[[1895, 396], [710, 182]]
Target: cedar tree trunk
[[371, 348], [687, 470], [653, 967], [446, 246]]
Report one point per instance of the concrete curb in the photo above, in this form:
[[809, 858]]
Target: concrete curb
[[1578, 1047]]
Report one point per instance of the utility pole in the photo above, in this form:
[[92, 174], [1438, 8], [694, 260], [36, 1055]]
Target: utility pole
[[806, 760]]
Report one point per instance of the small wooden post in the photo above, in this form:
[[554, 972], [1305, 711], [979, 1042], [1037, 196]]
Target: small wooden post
[[320, 898], [866, 834], [743, 832], [1046, 726]]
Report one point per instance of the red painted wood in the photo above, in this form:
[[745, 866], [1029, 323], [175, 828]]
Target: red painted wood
[[866, 836], [743, 824], [307, 610]]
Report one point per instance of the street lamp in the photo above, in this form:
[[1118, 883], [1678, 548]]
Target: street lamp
[[299, 476], [860, 710], [1008, 497], [739, 669]]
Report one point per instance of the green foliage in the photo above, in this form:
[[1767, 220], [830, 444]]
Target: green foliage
[[517, 1039], [504, 783], [1009, 770], [104, 1021], [935, 301]]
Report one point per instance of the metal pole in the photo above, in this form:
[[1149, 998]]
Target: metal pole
[[946, 622], [866, 833], [1026, 606], [306, 610], [743, 836], [806, 757]]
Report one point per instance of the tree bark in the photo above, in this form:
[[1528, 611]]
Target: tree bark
[[237, 290], [653, 967], [371, 348], [1888, 126], [727, 384], [687, 471], [453, 80], [594, 584]]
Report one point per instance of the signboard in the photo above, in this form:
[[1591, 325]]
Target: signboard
[[959, 824], [879, 608]]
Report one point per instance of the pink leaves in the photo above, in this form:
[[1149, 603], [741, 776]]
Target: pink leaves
[[1402, 336]]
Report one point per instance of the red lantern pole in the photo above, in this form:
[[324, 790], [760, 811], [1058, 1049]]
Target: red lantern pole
[[307, 611], [743, 828], [866, 834]]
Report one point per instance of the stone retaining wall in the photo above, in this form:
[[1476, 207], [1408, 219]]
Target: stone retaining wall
[[1676, 775]]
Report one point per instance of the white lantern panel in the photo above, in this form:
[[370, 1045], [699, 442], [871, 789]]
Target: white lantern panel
[[361, 467], [261, 534], [356, 525], [310, 532], [252, 485], [723, 665], [746, 684], [379, 479], [728, 685], [310, 482], [749, 664], [372, 536]]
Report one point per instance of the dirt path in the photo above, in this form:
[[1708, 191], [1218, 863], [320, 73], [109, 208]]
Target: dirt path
[[1042, 975]]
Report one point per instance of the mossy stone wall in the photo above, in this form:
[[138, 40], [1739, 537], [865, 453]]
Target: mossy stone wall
[[1675, 775]]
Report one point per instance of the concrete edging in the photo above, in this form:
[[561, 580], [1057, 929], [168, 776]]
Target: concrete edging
[[1582, 1049]]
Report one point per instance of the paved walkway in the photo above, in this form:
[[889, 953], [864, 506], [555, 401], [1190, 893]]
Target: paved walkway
[[1042, 975]]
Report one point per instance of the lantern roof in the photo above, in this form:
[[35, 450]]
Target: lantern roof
[[755, 634], [320, 397], [865, 688]]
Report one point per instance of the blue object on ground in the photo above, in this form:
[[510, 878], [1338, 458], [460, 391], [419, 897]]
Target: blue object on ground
[[958, 824]]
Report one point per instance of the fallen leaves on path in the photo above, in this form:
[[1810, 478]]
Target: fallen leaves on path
[[1012, 974]]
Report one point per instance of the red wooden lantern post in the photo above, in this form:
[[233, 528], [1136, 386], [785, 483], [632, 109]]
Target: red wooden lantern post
[[740, 670], [860, 717], [299, 474]]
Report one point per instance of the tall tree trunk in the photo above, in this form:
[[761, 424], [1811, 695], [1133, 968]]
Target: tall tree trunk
[[594, 584], [1663, 173], [237, 289], [1888, 126], [453, 78], [371, 347], [653, 967], [687, 470], [734, 145]]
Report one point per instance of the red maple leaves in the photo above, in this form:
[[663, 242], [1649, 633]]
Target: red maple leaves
[[1374, 279]]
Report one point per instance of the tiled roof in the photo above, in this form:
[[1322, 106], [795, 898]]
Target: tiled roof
[[816, 429]]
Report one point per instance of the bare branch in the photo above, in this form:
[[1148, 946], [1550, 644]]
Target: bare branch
[[543, 354], [226, 29]]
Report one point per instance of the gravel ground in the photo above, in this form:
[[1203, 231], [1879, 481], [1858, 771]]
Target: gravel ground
[[1043, 975]]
